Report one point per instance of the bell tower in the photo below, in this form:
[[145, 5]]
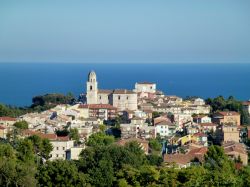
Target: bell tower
[[92, 88]]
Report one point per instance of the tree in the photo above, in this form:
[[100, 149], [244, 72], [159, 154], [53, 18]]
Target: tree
[[41, 147], [74, 135], [25, 150], [61, 173], [100, 139], [155, 145], [21, 125]]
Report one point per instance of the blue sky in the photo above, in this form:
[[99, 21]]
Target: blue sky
[[160, 31]]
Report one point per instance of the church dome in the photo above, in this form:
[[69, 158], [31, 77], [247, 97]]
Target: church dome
[[92, 76]]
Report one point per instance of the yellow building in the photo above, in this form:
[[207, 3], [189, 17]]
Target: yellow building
[[229, 117]]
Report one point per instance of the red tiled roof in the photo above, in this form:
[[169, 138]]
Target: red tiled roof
[[97, 106], [123, 92], [246, 103], [207, 124], [199, 116], [6, 118], [28, 132], [105, 91], [186, 158], [229, 113], [2, 128]]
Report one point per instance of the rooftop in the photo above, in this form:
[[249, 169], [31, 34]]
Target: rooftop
[[6, 118]]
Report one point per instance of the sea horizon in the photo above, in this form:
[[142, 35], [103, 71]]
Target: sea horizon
[[22, 81]]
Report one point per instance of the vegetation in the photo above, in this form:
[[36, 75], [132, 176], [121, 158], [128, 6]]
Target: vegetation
[[39, 104], [231, 104], [21, 125], [109, 164]]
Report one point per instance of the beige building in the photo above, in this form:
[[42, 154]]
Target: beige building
[[3, 132], [146, 87], [236, 150], [227, 133], [121, 99], [7, 122], [229, 117], [231, 133]]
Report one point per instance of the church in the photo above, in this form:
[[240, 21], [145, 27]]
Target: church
[[121, 99]]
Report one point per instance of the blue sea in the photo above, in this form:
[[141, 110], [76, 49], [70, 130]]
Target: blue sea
[[19, 82]]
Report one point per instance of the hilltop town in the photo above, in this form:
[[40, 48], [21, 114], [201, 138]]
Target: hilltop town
[[186, 127], [178, 130]]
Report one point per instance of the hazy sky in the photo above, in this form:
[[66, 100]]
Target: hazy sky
[[125, 31]]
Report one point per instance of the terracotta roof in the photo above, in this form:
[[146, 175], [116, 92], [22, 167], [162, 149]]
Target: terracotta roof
[[123, 92], [186, 158], [28, 132], [6, 118], [207, 124], [105, 91], [229, 113], [199, 116], [97, 106], [2, 128], [246, 103]]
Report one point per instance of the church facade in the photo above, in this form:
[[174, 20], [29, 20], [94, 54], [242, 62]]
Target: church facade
[[121, 99]]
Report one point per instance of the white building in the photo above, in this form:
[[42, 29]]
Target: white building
[[73, 153], [165, 129], [202, 119], [199, 101], [60, 145], [121, 99], [145, 87]]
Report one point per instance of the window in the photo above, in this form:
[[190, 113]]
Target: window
[[57, 155], [57, 148], [162, 127], [63, 155], [63, 148], [127, 97], [100, 97], [90, 87], [119, 97]]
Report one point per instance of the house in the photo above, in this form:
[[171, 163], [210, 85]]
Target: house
[[198, 101], [236, 150], [100, 111], [137, 121], [201, 119], [201, 138], [229, 117], [207, 127], [145, 87], [7, 122], [165, 129], [129, 131], [143, 143], [227, 133], [3, 132], [73, 153], [60, 143], [180, 160]]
